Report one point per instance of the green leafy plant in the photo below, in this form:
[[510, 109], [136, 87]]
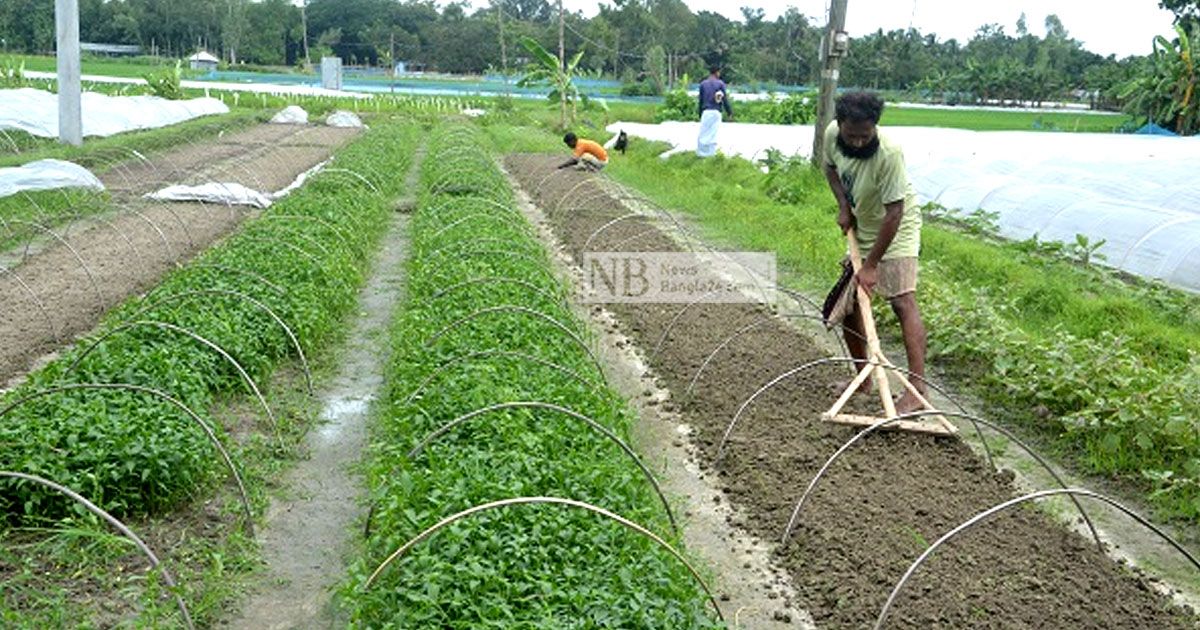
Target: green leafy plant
[[167, 83], [677, 105], [1166, 91], [546, 70], [1085, 250], [978, 222], [12, 72], [795, 109]]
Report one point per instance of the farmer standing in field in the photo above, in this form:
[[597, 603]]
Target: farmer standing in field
[[588, 154], [866, 173], [713, 98]]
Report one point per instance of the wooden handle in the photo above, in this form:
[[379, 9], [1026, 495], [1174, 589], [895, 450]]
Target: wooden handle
[[868, 320]]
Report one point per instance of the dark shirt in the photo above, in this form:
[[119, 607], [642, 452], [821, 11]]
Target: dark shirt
[[709, 88]]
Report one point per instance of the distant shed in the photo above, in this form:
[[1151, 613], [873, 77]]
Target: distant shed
[[203, 61]]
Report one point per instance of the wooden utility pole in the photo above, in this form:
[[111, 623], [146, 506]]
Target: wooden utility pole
[[562, 66], [834, 46], [70, 114]]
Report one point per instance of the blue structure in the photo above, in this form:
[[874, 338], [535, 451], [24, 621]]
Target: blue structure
[[1151, 129]]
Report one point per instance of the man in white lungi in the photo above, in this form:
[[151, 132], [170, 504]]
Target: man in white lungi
[[713, 98]]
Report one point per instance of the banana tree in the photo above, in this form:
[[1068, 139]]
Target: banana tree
[[1166, 91], [546, 70]]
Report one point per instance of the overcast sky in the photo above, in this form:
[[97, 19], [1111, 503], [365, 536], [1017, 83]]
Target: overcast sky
[[1121, 27]]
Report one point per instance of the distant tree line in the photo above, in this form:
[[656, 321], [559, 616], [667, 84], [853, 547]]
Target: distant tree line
[[649, 44]]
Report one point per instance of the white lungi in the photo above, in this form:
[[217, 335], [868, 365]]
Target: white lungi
[[706, 144]]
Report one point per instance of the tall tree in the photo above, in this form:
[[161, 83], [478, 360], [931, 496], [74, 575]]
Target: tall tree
[[1187, 12]]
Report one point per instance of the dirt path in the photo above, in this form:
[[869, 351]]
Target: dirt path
[[306, 536], [887, 499], [76, 273]]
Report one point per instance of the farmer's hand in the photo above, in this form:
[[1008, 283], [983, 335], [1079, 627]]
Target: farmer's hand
[[868, 277], [845, 218]]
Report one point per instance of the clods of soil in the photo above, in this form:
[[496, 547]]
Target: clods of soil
[[882, 503]]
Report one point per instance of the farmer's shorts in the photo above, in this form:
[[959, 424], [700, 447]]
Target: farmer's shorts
[[589, 162], [897, 276]]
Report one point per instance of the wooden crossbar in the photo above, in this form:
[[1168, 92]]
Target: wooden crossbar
[[880, 367]]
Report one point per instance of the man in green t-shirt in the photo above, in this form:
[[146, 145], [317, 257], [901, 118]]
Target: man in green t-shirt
[[866, 173]]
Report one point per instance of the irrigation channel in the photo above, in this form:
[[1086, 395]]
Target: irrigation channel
[[66, 270], [306, 538], [753, 389]]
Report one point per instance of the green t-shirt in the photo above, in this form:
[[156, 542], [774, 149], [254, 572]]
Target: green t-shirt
[[870, 184]]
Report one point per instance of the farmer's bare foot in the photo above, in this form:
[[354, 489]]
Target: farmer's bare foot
[[841, 386], [908, 404]]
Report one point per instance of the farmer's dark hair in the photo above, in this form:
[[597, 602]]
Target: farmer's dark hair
[[859, 107], [714, 68], [570, 139]]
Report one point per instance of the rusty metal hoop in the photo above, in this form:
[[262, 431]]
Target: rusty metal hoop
[[118, 525]]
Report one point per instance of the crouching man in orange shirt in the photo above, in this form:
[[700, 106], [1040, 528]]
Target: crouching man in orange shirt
[[589, 155]]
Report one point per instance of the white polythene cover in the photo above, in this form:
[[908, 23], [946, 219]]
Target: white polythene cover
[[342, 118], [45, 175], [36, 112], [1140, 195], [233, 194], [291, 115], [230, 194]]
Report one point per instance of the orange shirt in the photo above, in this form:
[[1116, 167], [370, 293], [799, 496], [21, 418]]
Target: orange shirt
[[587, 146]]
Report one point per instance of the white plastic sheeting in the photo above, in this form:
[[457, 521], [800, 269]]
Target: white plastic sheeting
[[1139, 194], [343, 119], [300, 179], [291, 115], [46, 175], [36, 112], [225, 86], [229, 194]]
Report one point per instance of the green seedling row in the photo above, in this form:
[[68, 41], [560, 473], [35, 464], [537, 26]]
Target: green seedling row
[[135, 455], [523, 566]]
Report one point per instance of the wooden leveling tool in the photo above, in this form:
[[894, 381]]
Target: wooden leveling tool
[[881, 368]]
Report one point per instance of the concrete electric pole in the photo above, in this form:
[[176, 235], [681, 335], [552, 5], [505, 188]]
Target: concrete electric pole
[[503, 44], [834, 46], [562, 63], [70, 114]]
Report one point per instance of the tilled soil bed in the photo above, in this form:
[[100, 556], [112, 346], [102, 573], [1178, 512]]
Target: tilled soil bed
[[885, 500]]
